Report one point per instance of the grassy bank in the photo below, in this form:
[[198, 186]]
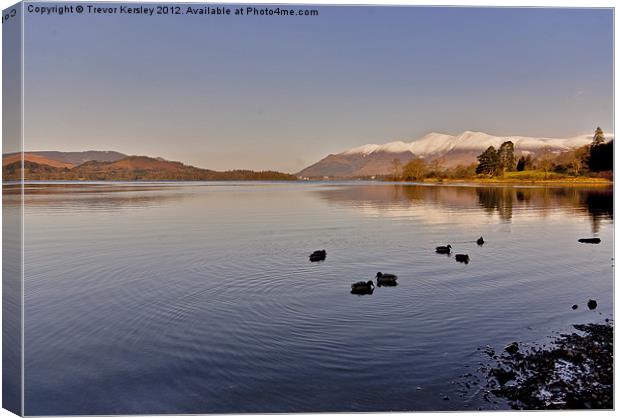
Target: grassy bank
[[491, 181], [531, 177]]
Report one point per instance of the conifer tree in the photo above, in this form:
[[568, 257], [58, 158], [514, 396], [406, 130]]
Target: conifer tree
[[488, 162], [599, 136], [506, 155]]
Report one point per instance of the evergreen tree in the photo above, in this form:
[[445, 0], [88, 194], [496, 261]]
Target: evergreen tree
[[599, 136], [506, 155], [524, 163], [488, 162], [601, 157]]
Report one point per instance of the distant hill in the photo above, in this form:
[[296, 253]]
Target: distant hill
[[449, 150], [128, 168], [80, 157], [36, 158]]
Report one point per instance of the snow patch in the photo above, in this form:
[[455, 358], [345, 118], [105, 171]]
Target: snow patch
[[364, 149]]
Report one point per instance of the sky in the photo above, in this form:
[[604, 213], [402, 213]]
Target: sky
[[274, 92]]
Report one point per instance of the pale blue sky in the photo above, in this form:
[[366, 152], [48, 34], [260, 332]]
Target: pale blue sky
[[281, 93]]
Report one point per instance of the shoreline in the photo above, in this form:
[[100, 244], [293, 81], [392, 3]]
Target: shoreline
[[589, 182], [574, 371]]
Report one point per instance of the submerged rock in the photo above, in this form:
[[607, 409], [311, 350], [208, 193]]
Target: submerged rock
[[503, 376], [489, 351]]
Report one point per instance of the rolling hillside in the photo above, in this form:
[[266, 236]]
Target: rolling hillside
[[128, 168]]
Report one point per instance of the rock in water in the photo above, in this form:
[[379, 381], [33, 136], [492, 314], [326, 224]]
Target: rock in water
[[574, 372], [592, 304], [512, 348]]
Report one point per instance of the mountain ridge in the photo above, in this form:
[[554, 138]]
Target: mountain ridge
[[128, 168], [73, 158], [451, 150]]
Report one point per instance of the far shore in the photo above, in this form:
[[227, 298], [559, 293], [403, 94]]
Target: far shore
[[577, 181], [564, 182], [489, 181]]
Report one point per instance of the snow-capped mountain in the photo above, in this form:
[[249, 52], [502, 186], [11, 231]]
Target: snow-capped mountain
[[451, 150]]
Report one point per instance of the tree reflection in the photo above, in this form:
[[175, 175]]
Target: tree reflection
[[498, 199], [502, 201], [600, 205]]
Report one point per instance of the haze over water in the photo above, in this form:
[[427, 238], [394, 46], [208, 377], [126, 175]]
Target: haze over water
[[200, 298]]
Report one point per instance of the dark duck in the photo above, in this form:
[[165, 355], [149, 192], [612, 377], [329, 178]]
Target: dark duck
[[318, 255], [386, 279], [444, 249], [590, 240], [363, 288]]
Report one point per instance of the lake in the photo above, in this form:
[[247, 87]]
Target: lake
[[199, 297]]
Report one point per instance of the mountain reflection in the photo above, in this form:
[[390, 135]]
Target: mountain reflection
[[98, 197], [597, 203]]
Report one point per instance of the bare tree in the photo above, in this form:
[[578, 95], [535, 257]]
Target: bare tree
[[415, 170], [396, 168], [545, 160]]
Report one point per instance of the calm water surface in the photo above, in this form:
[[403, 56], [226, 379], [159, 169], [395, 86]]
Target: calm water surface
[[199, 297]]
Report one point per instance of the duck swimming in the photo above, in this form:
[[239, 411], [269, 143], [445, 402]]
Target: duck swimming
[[462, 258], [363, 288], [590, 240], [318, 255], [444, 249], [480, 241], [386, 279]]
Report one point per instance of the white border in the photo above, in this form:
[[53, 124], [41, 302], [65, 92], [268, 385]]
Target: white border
[[480, 3]]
